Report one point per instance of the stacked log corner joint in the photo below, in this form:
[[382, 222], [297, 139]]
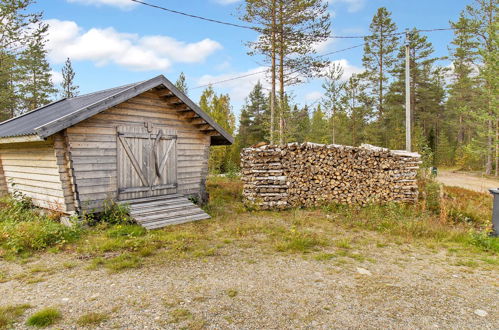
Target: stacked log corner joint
[[309, 174]]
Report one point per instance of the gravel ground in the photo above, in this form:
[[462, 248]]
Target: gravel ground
[[467, 181], [400, 286]]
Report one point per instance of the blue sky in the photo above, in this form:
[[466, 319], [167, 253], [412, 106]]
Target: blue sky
[[115, 42]]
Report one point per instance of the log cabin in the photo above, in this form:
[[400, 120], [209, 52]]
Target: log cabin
[[145, 144]]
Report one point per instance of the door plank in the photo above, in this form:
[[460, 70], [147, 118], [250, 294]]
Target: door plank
[[135, 164]]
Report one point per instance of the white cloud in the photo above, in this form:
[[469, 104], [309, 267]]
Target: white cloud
[[348, 69], [322, 46], [238, 89], [56, 77], [352, 5], [313, 96], [123, 4], [180, 51], [104, 46]]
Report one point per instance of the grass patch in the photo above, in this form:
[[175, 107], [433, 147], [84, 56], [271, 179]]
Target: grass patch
[[179, 315], [232, 293], [92, 319], [10, 314], [122, 262], [295, 242], [44, 318], [323, 256]]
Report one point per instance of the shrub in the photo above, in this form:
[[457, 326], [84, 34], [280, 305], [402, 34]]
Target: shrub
[[25, 229], [44, 318], [113, 213]]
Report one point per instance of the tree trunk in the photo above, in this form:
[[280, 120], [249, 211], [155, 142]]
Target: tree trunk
[[281, 74], [273, 78], [497, 149]]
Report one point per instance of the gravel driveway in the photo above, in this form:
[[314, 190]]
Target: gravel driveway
[[467, 181], [394, 286]]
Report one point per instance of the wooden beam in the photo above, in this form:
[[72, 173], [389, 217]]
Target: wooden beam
[[165, 92], [212, 133], [205, 127], [197, 121], [181, 107], [188, 115]]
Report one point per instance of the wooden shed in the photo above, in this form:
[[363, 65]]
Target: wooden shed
[[146, 144]]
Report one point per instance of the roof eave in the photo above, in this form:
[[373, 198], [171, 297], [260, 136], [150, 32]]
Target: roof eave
[[21, 139], [74, 118]]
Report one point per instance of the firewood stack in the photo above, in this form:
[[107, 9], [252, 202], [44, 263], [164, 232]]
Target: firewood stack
[[308, 174]]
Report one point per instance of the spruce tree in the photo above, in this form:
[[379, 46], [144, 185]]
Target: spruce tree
[[181, 84], [299, 124], [318, 127], [358, 106], [18, 26], [69, 89], [479, 21], [379, 60], [36, 85]]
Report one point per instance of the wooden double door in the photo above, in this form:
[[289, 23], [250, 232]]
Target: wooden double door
[[147, 161]]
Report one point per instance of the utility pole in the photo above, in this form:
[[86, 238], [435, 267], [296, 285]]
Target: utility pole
[[407, 93]]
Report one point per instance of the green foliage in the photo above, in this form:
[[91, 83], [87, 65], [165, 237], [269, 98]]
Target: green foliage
[[44, 318], [319, 132], [219, 108], [469, 157], [485, 242], [113, 213], [25, 230]]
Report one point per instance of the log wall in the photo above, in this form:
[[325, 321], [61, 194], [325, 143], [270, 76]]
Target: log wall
[[38, 170], [93, 148], [293, 175]]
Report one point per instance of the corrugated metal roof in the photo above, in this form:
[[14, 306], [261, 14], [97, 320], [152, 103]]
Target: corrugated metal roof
[[25, 124]]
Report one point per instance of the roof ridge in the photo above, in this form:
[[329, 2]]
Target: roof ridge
[[106, 90]]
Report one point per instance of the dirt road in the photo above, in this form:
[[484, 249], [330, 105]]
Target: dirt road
[[468, 181]]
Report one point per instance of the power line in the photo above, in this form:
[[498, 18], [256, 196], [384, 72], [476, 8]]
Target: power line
[[266, 70], [193, 16], [173, 11], [230, 79]]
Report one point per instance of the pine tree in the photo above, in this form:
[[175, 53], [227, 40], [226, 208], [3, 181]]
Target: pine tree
[[69, 89], [289, 31], [379, 60], [333, 87], [181, 84], [36, 85]]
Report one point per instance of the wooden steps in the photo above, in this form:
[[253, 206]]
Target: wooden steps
[[160, 211]]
